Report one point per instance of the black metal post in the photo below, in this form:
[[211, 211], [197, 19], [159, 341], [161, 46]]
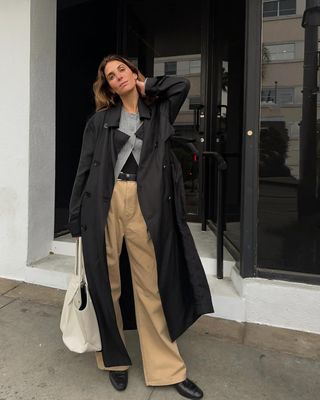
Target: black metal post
[[219, 227], [308, 188], [221, 166], [204, 195]]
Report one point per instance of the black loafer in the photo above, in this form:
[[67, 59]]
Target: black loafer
[[119, 379], [189, 389]]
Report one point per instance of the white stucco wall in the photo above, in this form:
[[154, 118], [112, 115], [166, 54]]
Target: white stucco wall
[[14, 135], [27, 81], [42, 128], [283, 304]]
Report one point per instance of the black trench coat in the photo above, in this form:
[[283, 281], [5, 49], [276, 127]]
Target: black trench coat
[[182, 282]]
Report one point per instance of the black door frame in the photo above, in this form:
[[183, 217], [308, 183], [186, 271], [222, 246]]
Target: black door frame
[[250, 144], [247, 254], [207, 98]]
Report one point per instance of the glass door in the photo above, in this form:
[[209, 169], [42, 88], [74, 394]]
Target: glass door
[[166, 38], [225, 116]]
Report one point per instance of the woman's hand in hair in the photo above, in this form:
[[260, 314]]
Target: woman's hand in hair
[[141, 87]]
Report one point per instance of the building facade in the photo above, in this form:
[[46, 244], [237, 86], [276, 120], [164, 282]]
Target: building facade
[[253, 68]]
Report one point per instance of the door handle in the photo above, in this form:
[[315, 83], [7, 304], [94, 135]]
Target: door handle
[[201, 122]]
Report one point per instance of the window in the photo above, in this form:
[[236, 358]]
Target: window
[[279, 96], [170, 68], [289, 173], [270, 8], [195, 67], [281, 51], [279, 7], [185, 65]]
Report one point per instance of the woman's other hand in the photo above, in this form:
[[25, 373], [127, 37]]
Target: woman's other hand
[[141, 87]]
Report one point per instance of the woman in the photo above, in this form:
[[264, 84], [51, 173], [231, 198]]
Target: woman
[[129, 186]]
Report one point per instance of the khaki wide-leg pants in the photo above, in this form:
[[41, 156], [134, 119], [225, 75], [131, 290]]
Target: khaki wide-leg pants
[[162, 363]]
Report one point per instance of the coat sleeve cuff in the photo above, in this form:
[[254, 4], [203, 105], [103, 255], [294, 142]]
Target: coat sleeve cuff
[[75, 228]]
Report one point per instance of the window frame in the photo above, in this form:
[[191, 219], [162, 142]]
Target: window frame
[[267, 46], [279, 89], [167, 70], [278, 11]]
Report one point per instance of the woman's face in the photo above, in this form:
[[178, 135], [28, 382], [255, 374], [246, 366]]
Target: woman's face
[[120, 77]]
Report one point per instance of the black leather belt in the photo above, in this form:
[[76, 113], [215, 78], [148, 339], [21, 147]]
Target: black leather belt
[[124, 176]]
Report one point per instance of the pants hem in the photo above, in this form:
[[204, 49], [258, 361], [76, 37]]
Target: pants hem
[[166, 383]]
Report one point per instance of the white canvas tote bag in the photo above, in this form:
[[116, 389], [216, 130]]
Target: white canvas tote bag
[[79, 326]]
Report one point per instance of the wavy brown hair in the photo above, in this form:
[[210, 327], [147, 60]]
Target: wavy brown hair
[[103, 96]]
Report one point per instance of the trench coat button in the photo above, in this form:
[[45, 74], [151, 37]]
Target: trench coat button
[[164, 166], [156, 145], [105, 125], [169, 197], [95, 163]]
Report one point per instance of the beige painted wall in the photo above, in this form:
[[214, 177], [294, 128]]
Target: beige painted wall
[[282, 30], [285, 73]]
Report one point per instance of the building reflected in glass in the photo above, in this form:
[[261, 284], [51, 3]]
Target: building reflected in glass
[[289, 162]]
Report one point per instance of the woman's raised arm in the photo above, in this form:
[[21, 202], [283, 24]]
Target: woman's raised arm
[[172, 88]]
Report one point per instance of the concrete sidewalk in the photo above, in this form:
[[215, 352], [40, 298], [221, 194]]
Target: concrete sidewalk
[[35, 364]]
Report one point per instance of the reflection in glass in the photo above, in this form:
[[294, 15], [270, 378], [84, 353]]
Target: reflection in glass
[[277, 95], [289, 162], [275, 8], [170, 68], [162, 46], [281, 51]]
